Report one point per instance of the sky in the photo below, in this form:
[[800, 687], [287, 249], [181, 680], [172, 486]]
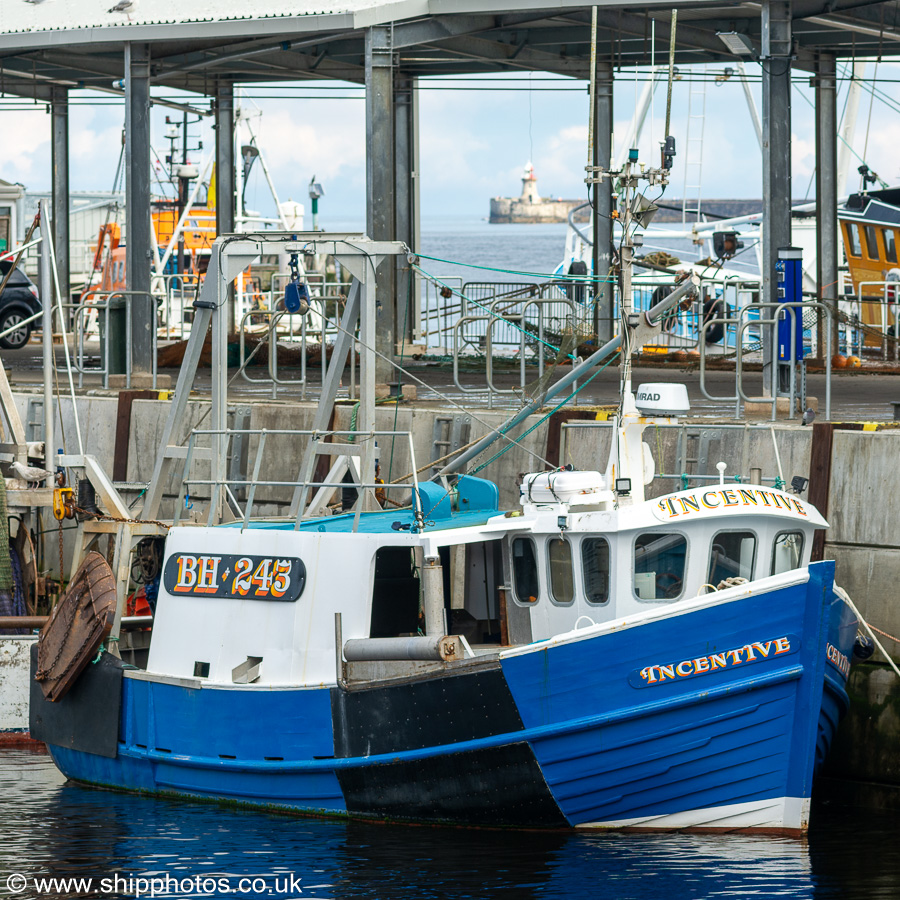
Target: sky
[[476, 135]]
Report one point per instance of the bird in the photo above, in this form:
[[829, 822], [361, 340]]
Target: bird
[[34, 2], [125, 6], [32, 474], [808, 416]]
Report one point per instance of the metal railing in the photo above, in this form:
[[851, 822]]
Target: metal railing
[[742, 322], [277, 326], [704, 438], [82, 315], [227, 487], [176, 294], [531, 334], [889, 309]]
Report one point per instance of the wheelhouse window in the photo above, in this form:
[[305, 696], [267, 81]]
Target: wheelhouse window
[[595, 565], [525, 570], [659, 564], [562, 581], [731, 556], [872, 243], [854, 248], [787, 552], [890, 246]]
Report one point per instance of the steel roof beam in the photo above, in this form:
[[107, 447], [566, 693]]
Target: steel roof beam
[[517, 57]]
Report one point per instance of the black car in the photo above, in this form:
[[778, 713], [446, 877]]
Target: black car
[[18, 302]]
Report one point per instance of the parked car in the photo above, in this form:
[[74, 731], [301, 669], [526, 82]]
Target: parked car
[[18, 302]]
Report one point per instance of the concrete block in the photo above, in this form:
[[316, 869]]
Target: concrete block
[[408, 350], [140, 382], [382, 391], [868, 574], [409, 392], [865, 492], [782, 407], [15, 666]]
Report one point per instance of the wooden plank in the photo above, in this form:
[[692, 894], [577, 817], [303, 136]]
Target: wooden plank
[[123, 430], [554, 429], [820, 474], [820, 479]]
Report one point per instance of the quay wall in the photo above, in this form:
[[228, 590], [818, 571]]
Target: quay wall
[[862, 495]]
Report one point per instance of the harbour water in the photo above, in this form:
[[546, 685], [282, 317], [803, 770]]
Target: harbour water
[[55, 830]]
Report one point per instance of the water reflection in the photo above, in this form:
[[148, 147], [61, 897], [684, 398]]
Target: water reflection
[[54, 829]]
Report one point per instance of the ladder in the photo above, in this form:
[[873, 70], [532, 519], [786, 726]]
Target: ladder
[[693, 149]]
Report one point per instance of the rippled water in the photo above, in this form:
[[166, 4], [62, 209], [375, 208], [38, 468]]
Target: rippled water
[[49, 828]]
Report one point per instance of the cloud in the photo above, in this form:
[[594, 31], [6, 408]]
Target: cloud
[[26, 159]]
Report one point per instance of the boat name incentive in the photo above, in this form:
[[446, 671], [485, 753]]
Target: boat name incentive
[[758, 651], [234, 576], [837, 659], [725, 498]]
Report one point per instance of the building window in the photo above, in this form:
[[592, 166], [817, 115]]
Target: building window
[[872, 243], [890, 247], [659, 564], [854, 248], [595, 563], [731, 556], [562, 580], [525, 571], [787, 552]]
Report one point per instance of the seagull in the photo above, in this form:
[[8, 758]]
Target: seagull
[[808, 416], [32, 474], [125, 6]]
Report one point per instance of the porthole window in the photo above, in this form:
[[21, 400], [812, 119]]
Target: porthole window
[[595, 565], [731, 556], [659, 565], [562, 581], [525, 571], [787, 552]]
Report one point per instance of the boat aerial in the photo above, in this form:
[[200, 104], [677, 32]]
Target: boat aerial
[[593, 658]]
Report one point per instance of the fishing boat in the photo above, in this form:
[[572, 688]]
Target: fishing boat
[[593, 658]]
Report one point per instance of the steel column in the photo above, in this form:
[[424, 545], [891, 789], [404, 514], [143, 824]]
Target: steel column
[[825, 84], [406, 199], [225, 182], [138, 247], [59, 111], [45, 285], [380, 185], [602, 206], [776, 151]]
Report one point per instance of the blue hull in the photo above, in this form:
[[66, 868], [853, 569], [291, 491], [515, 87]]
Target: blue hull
[[587, 730]]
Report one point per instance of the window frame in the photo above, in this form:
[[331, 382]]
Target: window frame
[[885, 231], [526, 604], [871, 231], [610, 557], [550, 591], [687, 550], [848, 232], [756, 543], [778, 534]]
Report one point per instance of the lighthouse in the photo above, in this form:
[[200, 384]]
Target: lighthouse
[[529, 185]]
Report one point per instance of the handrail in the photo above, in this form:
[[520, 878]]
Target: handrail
[[254, 482]]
